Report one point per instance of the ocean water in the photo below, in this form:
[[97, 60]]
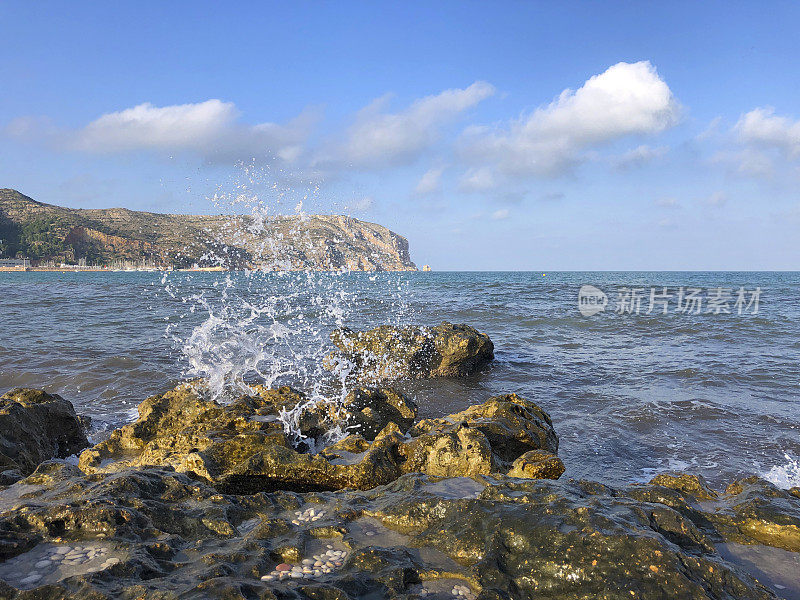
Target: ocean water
[[712, 392]]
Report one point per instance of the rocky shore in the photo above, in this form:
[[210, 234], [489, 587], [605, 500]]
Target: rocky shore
[[274, 496]]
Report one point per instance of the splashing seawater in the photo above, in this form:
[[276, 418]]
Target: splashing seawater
[[785, 476], [266, 325]]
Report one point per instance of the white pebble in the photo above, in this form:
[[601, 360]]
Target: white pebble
[[42, 564], [267, 578], [295, 522]]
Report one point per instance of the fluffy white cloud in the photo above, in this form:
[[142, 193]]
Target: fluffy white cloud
[[500, 214], [380, 139], [182, 126], [627, 99], [211, 129], [430, 182], [763, 128], [762, 145]]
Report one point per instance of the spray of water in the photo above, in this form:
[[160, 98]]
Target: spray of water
[[267, 323], [787, 475]]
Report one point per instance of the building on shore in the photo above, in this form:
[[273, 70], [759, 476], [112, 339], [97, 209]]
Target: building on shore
[[426, 267], [15, 263]]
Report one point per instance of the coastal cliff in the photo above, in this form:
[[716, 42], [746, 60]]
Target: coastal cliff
[[44, 232]]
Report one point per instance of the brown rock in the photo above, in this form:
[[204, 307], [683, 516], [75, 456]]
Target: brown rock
[[36, 426], [537, 464]]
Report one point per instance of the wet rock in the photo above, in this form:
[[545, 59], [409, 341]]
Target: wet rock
[[694, 485], [753, 510], [536, 464], [192, 434], [372, 409], [487, 437], [36, 426], [242, 448], [388, 352], [517, 539]]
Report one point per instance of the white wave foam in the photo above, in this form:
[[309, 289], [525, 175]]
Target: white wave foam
[[785, 476]]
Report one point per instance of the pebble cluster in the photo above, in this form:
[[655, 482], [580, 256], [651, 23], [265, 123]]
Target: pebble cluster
[[308, 515], [458, 591], [316, 566], [462, 591], [63, 556]]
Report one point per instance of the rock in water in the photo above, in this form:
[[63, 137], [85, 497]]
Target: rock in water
[[36, 426], [242, 447], [389, 352]]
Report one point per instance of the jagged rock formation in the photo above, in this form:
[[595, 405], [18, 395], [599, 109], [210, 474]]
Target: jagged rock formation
[[321, 242], [388, 352], [243, 447], [175, 506]]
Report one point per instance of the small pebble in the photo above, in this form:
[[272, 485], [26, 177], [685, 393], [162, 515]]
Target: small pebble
[[63, 549], [307, 561], [369, 533], [295, 522], [283, 567], [42, 564], [267, 578]]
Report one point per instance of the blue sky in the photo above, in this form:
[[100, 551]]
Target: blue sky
[[503, 135]]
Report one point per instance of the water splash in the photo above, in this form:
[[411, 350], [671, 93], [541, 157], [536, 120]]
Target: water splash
[[785, 476], [269, 323]]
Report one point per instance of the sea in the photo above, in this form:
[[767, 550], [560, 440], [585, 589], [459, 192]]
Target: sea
[[641, 372]]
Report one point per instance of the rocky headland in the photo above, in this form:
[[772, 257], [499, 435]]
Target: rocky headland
[[45, 232], [256, 498]]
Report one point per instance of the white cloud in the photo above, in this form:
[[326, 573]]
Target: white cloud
[[500, 214], [717, 199], [380, 139], [211, 129], [762, 127], [477, 180], [764, 145], [625, 100], [430, 182]]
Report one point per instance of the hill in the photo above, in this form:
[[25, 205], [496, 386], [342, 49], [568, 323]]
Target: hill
[[45, 232]]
